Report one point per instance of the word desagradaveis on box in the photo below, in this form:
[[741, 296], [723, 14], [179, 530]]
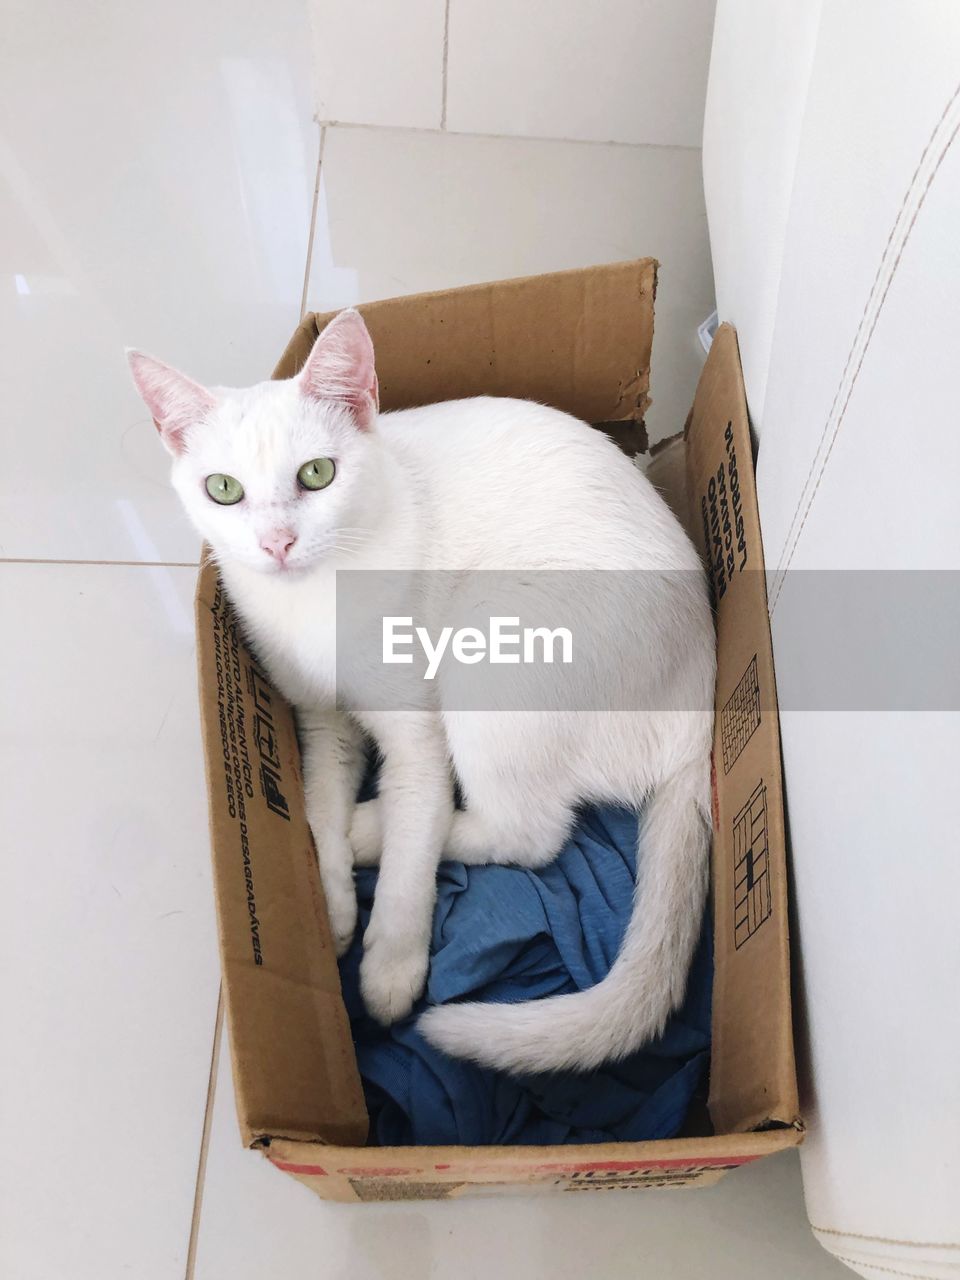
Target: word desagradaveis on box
[[579, 341]]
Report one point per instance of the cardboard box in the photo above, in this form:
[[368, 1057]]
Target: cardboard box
[[581, 341]]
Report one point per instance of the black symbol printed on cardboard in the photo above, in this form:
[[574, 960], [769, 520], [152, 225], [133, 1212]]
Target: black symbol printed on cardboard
[[262, 693], [276, 800], [268, 746], [740, 717], [266, 741], [751, 874]]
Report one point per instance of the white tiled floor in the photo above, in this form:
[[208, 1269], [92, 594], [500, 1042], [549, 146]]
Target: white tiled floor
[[158, 171], [157, 184], [108, 948]]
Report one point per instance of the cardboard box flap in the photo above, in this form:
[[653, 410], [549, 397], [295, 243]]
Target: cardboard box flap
[[434, 1173], [591, 359], [293, 1062], [752, 1075]]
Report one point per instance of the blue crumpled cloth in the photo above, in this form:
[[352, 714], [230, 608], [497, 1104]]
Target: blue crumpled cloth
[[507, 934]]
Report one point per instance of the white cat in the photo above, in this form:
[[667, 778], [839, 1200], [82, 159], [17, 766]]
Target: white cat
[[291, 481]]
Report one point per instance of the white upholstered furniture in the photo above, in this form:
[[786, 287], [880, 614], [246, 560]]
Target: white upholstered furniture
[[832, 173]]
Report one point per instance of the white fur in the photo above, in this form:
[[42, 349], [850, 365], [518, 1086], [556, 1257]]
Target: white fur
[[474, 484]]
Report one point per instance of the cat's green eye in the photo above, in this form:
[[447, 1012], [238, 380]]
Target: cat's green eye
[[224, 489], [317, 473]]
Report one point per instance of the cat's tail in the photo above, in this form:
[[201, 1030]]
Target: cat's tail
[[646, 983]]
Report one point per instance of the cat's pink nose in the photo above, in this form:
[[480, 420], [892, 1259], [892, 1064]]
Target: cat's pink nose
[[278, 544]]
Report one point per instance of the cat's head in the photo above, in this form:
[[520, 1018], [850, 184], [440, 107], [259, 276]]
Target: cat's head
[[279, 475]]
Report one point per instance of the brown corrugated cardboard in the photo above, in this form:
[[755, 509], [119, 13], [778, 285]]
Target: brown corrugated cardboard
[[440, 1173], [580, 341], [752, 1071], [293, 1061]]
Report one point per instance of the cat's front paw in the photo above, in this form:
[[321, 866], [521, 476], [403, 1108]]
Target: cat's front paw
[[335, 860], [366, 835], [342, 913], [392, 975]]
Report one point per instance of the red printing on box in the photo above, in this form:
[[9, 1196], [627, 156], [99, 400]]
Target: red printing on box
[[589, 1166]]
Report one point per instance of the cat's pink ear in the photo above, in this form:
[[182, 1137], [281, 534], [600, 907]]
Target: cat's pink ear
[[175, 401], [340, 367]]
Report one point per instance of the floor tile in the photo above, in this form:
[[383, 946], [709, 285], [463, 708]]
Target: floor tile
[[609, 71], [402, 212], [378, 62], [109, 942], [255, 1221], [165, 207]]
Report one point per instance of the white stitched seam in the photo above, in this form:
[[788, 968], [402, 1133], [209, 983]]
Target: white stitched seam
[[892, 254]]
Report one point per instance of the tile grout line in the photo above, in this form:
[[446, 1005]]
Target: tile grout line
[[120, 564], [443, 67], [506, 137], [313, 224], [205, 1140]]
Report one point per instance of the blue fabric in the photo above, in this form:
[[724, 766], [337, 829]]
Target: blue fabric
[[506, 934]]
